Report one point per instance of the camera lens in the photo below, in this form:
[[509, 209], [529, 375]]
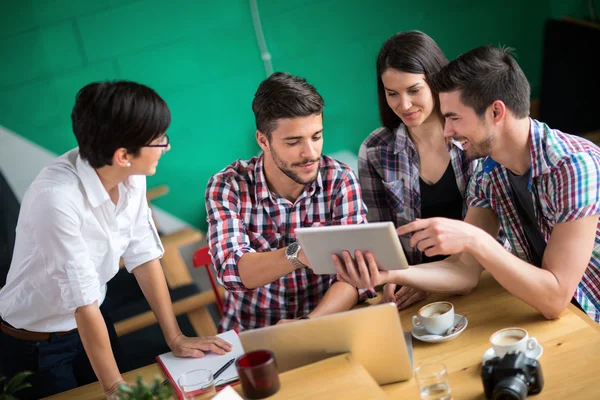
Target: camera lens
[[510, 388]]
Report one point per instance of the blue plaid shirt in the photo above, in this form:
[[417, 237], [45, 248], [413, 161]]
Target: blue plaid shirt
[[565, 178], [388, 169]]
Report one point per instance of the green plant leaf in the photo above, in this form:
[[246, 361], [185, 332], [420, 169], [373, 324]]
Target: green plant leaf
[[17, 382], [122, 396], [140, 390]]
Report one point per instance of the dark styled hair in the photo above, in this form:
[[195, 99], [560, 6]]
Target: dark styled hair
[[484, 75], [282, 95], [117, 114], [413, 52]]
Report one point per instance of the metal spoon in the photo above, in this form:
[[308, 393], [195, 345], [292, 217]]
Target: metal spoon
[[459, 324], [450, 331]]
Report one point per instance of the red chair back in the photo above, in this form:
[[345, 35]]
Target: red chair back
[[201, 258]]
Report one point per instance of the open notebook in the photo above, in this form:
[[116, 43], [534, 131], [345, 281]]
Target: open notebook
[[174, 367]]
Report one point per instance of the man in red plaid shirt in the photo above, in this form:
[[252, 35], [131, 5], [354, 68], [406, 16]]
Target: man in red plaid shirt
[[253, 207]]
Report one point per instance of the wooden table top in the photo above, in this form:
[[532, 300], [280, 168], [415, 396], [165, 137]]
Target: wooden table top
[[593, 136], [571, 345], [350, 381], [569, 362]]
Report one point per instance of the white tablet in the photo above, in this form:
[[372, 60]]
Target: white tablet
[[380, 238]]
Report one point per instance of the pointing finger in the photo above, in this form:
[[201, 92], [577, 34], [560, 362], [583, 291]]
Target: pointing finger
[[417, 225]]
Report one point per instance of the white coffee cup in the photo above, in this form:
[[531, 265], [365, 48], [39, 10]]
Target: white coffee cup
[[510, 340], [435, 318]]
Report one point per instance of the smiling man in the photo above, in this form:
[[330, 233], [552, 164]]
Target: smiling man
[[541, 186], [254, 206]]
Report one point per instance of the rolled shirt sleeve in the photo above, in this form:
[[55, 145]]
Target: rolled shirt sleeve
[[476, 195], [227, 237], [145, 244], [67, 256], [574, 189]]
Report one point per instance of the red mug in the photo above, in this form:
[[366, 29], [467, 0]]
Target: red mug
[[258, 374]]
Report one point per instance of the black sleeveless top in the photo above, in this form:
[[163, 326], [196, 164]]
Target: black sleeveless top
[[442, 199]]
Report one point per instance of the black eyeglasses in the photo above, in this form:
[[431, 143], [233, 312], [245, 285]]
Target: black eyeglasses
[[166, 144]]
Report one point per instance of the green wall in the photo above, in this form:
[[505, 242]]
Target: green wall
[[202, 57]]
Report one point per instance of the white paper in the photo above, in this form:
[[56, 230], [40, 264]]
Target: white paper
[[228, 393], [178, 366]]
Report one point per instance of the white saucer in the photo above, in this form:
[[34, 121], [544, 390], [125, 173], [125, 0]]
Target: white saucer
[[421, 334], [535, 353]]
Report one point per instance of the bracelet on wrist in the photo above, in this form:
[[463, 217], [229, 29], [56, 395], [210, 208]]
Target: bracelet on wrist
[[113, 389]]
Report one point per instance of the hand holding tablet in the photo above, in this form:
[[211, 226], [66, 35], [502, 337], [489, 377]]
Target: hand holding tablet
[[378, 238]]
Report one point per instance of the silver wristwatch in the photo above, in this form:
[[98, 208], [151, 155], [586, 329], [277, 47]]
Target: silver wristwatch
[[291, 253]]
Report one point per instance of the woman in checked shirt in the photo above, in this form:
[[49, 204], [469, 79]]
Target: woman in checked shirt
[[407, 168]]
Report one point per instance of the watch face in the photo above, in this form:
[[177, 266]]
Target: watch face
[[292, 249]]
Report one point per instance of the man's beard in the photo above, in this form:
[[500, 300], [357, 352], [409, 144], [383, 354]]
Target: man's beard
[[283, 167], [481, 149]]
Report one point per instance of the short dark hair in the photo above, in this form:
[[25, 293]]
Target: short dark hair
[[282, 95], [413, 52], [484, 75], [111, 115]]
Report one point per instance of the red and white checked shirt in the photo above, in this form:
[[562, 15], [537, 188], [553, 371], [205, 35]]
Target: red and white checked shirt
[[244, 216]]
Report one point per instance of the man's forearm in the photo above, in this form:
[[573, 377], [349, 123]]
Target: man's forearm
[[260, 269], [537, 287], [96, 342], [152, 281], [446, 276], [341, 296]]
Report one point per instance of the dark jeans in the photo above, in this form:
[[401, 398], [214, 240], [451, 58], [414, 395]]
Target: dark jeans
[[58, 364]]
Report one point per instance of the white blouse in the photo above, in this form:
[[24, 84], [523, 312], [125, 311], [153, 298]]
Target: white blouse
[[69, 239]]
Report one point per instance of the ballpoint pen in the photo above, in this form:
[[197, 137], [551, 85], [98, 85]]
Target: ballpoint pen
[[223, 368], [157, 388]]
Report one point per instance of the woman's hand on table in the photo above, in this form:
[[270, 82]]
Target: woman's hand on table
[[404, 297], [183, 346], [361, 271]]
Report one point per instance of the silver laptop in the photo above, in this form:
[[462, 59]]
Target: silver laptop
[[372, 334]]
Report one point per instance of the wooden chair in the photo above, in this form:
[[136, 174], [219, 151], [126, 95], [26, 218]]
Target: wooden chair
[[177, 276]]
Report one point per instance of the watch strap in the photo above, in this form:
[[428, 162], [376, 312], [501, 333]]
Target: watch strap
[[297, 263]]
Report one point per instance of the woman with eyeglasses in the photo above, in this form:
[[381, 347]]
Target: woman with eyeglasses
[[82, 213]]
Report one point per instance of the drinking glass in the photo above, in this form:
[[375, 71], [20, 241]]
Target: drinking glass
[[433, 382], [258, 374], [197, 385]]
